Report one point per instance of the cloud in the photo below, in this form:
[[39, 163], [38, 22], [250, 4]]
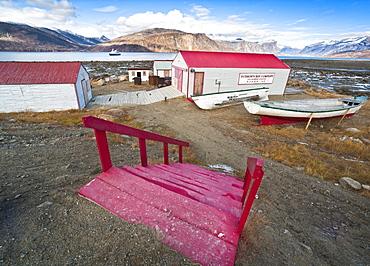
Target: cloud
[[106, 9], [296, 22], [200, 11], [42, 13]]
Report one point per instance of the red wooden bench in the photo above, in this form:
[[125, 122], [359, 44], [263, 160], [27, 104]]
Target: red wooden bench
[[199, 212]]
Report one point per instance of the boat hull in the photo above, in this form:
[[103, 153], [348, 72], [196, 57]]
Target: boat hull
[[273, 113], [222, 99]]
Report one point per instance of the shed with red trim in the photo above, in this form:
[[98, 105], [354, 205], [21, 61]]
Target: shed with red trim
[[198, 73], [43, 86]]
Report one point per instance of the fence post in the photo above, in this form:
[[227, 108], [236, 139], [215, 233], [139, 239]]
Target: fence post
[[165, 153], [103, 149], [143, 156], [255, 172], [180, 154]]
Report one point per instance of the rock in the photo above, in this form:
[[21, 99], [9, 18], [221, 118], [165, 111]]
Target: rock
[[366, 141], [350, 183], [301, 168], [101, 82], [46, 203], [353, 130], [366, 187], [119, 113], [107, 117]]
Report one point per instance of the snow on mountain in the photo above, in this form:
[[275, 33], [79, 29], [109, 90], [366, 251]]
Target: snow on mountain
[[332, 47]]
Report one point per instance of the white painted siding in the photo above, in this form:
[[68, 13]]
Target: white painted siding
[[38, 98], [83, 88], [144, 73], [229, 78]]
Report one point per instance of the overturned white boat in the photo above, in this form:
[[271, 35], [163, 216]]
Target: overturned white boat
[[294, 111], [221, 99]]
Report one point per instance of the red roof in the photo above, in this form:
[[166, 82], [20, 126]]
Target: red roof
[[15, 73], [231, 60]]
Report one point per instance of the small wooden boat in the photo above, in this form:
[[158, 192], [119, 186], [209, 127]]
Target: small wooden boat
[[295, 111], [114, 52], [227, 98]]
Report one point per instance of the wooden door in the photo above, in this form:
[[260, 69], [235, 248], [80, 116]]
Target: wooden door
[[198, 83]]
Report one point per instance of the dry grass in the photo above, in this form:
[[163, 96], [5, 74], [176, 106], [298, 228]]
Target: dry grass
[[325, 150]]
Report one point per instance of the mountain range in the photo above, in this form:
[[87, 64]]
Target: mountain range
[[21, 37]]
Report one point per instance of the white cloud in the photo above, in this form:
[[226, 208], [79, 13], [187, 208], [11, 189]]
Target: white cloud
[[296, 22], [106, 9], [42, 13], [200, 11]]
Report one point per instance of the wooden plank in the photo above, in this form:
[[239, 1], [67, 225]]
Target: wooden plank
[[210, 173], [205, 180], [227, 199], [207, 218], [196, 244], [221, 203]]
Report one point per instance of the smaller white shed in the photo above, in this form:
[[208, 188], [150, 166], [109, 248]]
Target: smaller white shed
[[142, 73], [162, 68], [43, 86]]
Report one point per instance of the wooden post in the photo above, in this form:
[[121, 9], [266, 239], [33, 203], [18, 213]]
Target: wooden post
[[143, 156], [165, 153], [180, 154], [103, 148], [343, 116], [309, 121]]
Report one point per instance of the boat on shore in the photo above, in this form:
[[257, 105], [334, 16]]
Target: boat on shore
[[295, 111], [114, 52], [227, 98]]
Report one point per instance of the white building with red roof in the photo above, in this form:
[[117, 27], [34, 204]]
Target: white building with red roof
[[43, 86], [228, 76]]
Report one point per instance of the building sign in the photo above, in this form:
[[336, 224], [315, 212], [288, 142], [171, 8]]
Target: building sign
[[250, 78]]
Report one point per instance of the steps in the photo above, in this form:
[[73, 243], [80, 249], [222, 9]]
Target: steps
[[196, 211]]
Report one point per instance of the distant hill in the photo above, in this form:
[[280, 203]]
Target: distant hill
[[21, 37], [161, 40], [357, 54]]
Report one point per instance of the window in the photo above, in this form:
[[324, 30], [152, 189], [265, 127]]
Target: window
[[144, 73], [133, 73]]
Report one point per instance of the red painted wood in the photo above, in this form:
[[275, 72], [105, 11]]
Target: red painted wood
[[196, 244], [200, 215], [191, 182], [255, 177], [165, 153], [104, 125], [206, 190], [236, 182], [143, 154], [180, 154], [223, 203], [197, 178], [277, 120], [103, 149]]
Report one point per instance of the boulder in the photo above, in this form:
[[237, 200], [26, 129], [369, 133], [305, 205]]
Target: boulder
[[101, 82], [107, 117], [350, 183], [353, 130], [116, 112]]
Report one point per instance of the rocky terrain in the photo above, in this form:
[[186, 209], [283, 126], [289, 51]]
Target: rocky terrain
[[296, 220]]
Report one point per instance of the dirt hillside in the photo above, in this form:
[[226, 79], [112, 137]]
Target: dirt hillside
[[296, 220]]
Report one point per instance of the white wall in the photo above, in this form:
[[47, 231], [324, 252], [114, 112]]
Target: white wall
[[229, 78], [83, 94], [38, 98], [132, 73]]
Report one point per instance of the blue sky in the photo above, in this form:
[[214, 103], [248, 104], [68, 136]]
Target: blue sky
[[290, 23]]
